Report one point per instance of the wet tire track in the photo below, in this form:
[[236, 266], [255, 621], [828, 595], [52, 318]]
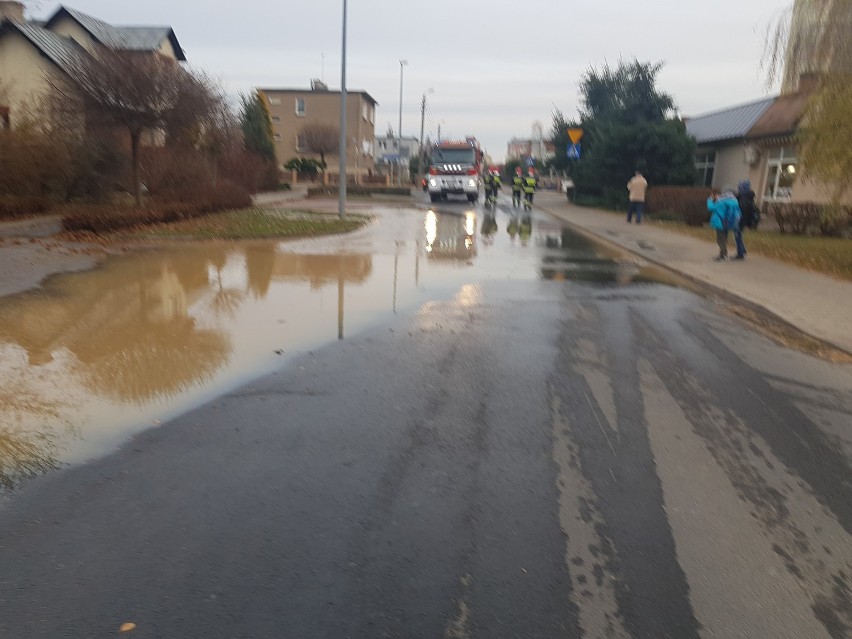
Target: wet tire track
[[652, 591], [752, 441]]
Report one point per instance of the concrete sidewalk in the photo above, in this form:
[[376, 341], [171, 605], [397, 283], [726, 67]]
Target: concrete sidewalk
[[818, 305]]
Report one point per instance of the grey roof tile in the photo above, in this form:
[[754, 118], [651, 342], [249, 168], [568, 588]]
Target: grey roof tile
[[133, 38], [58, 49], [142, 38], [728, 124]]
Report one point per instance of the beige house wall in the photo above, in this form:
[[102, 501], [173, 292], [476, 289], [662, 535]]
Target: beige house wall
[[70, 28], [808, 190], [23, 73], [167, 49], [323, 107], [731, 166]]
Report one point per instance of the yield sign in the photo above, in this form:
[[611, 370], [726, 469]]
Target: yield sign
[[575, 134]]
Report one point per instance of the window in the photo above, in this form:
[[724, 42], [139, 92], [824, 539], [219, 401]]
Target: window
[[705, 165], [781, 170], [276, 119], [277, 137], [367, 111], [275, 101], [300, 107], [301, 144]]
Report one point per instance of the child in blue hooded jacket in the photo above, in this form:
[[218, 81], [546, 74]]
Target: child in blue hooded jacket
[[725, 216]]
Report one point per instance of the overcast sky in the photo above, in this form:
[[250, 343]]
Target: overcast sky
[[495, 67]]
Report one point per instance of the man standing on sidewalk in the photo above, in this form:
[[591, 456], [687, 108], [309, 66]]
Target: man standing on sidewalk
[[636, 188]]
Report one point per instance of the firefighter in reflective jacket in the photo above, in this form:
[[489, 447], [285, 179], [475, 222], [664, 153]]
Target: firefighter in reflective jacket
[[486, 184], [496, 184], [517, 186], [530, 185]]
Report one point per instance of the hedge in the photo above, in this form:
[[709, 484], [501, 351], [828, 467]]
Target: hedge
[[322, 191], [105, 218], [686, 204], [810, 218], [18, 206]]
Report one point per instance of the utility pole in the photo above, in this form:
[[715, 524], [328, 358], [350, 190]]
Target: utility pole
[[422, 121]]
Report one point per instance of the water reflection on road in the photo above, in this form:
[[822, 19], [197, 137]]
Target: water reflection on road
[[93, 357]]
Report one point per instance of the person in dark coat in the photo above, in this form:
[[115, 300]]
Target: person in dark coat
[[748, 208]]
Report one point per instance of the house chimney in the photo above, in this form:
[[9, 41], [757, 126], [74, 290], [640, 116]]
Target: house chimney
[[11, 10], [808, 83]]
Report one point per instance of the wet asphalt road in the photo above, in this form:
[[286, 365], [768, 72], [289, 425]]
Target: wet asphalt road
[[527, 458]]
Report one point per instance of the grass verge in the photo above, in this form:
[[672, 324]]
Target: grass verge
[[247, 224]]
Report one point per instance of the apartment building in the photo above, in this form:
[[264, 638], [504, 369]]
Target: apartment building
[[292, 109], [391, 152]]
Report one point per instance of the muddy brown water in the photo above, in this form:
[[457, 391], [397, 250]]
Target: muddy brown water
[[91, 358]]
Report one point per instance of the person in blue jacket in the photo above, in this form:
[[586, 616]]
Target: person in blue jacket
[[725, 216]]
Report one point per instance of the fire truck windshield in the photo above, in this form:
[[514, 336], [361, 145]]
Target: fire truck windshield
[[453, 156]]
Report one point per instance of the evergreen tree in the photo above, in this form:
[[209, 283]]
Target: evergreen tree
[[628, 125], [257, 125]]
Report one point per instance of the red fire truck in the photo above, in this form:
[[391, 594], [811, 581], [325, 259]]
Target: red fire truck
[[455, 168]]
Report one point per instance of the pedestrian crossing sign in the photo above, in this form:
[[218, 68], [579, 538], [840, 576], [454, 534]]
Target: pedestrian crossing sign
[[573, 151]]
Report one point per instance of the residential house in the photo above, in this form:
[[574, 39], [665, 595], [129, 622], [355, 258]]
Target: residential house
[[391, 151], [757, 141], [539, 149], [292, 109], [32, 51]]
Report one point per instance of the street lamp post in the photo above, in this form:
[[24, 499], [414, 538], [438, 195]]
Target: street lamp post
[[402, 65], [341, 203]]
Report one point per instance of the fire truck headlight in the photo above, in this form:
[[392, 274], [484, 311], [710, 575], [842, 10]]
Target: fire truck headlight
[[471, 183], [433, 182]]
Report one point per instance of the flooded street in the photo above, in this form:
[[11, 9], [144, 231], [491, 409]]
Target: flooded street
[[94, 357], [449, 424]]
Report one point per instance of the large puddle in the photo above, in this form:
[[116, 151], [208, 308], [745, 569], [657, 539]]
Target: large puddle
[[91, 358]]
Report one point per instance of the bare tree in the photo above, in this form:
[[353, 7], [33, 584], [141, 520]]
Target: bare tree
[[137, 92], [322, 139]]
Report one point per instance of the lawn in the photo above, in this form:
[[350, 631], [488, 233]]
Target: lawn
[[247, 224], [829, 255]]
